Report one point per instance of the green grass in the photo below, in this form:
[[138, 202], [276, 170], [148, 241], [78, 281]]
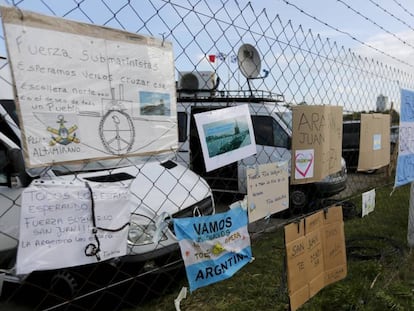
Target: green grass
[[372, 283]]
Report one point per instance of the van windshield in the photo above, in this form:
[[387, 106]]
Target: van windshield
[[286, 117]]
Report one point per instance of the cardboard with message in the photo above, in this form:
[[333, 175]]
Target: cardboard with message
[[316, 142], [316, 257], [374, 141]]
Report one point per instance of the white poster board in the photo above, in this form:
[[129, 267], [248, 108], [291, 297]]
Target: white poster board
[[226, 135], [89, 92], [56, 219], [368, 202], [267, 190]]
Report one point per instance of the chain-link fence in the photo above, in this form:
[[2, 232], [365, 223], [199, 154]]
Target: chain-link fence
[[296, 67]]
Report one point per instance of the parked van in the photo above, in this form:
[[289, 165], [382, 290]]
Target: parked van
[[161, 189], [272, 124]]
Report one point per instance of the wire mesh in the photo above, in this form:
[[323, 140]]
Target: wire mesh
[[297, 67]]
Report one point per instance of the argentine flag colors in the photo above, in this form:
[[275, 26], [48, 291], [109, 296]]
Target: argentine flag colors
[[405, 163], [213, 247]]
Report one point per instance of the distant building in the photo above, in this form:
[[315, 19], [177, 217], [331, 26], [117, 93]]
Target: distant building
[[382, 103]]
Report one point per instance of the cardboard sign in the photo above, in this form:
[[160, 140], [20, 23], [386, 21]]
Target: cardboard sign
[[316, 142], [315, 249], [267, 190], [226, 135], [405, 161], [368, 202], [56, 219], [213, 247], [374, 142], [89, 92]]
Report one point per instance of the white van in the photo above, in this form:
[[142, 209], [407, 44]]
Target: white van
[[160, 188], [272, 124]]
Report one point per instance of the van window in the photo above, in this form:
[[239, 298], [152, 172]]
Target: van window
[[182, 126], [5, 128], [268, 132], [3, 164]]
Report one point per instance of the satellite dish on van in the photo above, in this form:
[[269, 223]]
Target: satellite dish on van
[[249, 61], [250, 64]]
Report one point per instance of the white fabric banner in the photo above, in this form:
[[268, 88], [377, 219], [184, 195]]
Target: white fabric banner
[[89, 92], [56, 225]]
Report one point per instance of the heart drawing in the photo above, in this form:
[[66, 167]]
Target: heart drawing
[[303, 163]]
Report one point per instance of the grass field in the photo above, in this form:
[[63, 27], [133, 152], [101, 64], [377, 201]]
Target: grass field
[[380, 269]]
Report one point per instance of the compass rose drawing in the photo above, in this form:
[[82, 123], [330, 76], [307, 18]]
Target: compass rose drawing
[[64, 135]]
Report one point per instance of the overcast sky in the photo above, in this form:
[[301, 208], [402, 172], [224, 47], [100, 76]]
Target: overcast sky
[[385, 25], [382, 29]]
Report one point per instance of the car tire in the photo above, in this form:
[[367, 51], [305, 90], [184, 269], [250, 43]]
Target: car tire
[[298, 199]]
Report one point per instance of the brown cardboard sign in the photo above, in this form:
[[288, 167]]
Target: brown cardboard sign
[[316, 257], [316, 142], [374, 142]]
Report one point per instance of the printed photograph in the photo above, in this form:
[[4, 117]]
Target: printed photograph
[[227, 135], [155, 104]]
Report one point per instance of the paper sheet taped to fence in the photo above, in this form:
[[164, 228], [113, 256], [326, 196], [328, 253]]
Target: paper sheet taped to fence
[[368, 202], [267, 190], [213, 247], [316, 256], [226, 135], [405, 162], [89, 92], [316, 142], [56, 219]]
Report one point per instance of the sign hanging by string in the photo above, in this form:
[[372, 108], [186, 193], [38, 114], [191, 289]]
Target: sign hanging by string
[[58, 218]]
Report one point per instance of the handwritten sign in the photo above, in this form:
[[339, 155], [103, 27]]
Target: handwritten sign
[[368, 202], [226, 135], [316, 142], [267, 190], [315, 251], [57, 219], [405, 161], [374, 141], [213, 247], [89, 92]]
